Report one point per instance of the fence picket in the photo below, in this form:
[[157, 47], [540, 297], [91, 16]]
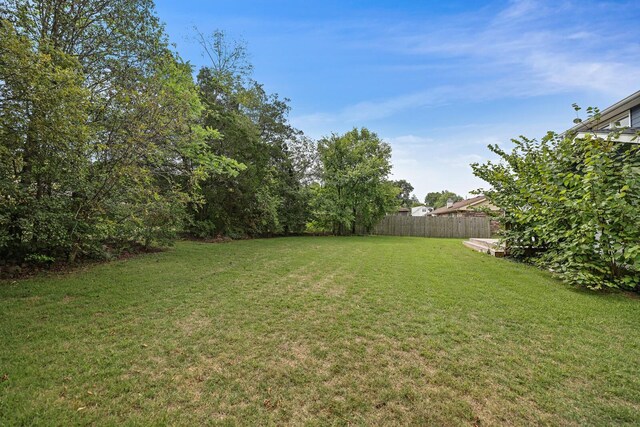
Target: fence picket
[[433, 226]]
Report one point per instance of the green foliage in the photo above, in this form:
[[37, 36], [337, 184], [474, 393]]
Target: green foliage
[[438, 199], [108, 143], [269, 195], [45, 138], [39, 259], [103, 144], [355, 193], [405, 198], [571, 205]]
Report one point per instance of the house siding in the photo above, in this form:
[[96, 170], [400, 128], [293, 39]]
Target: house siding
[[635, 117]]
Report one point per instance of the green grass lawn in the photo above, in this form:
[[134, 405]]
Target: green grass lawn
[[316, 331]]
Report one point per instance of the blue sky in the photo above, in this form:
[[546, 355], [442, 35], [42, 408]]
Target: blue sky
[[437, 80]]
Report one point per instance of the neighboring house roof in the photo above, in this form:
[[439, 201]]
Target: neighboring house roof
[[403, 210], [623, 114], [462, 205]]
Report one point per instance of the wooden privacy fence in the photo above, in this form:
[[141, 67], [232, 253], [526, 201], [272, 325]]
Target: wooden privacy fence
[[433, 226]]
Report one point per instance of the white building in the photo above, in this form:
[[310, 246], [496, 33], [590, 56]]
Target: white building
[[421, 210]]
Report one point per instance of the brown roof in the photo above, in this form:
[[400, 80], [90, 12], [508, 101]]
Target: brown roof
[[458, 205]]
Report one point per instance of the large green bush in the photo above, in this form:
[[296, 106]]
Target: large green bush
[[571, 205]]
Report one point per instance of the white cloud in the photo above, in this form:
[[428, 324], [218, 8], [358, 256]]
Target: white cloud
[[429, 175], [435, 164], [527, 49], [354, 114], [604, 76], [580, 35], [519, 9], [533, 44], [409, 140]]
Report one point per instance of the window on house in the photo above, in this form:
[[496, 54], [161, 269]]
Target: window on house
[[623, 122], [620, 121], [635, 117]]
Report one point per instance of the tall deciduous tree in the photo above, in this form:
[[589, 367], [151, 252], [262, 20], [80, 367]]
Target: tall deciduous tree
[[45, 140], [439, 199], [354, 192], [404, 197], [270, 195], [103, 128]]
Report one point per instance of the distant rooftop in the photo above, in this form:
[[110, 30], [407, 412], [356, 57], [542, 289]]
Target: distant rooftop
[[459, 205]]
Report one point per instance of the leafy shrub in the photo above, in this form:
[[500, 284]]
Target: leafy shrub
[[203, 229], [571, 205], [236, 234], [39, 259]]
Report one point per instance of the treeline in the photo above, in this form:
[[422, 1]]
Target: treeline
[[108, 143]]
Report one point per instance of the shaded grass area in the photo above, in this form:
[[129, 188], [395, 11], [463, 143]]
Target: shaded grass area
[[316, 331]]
